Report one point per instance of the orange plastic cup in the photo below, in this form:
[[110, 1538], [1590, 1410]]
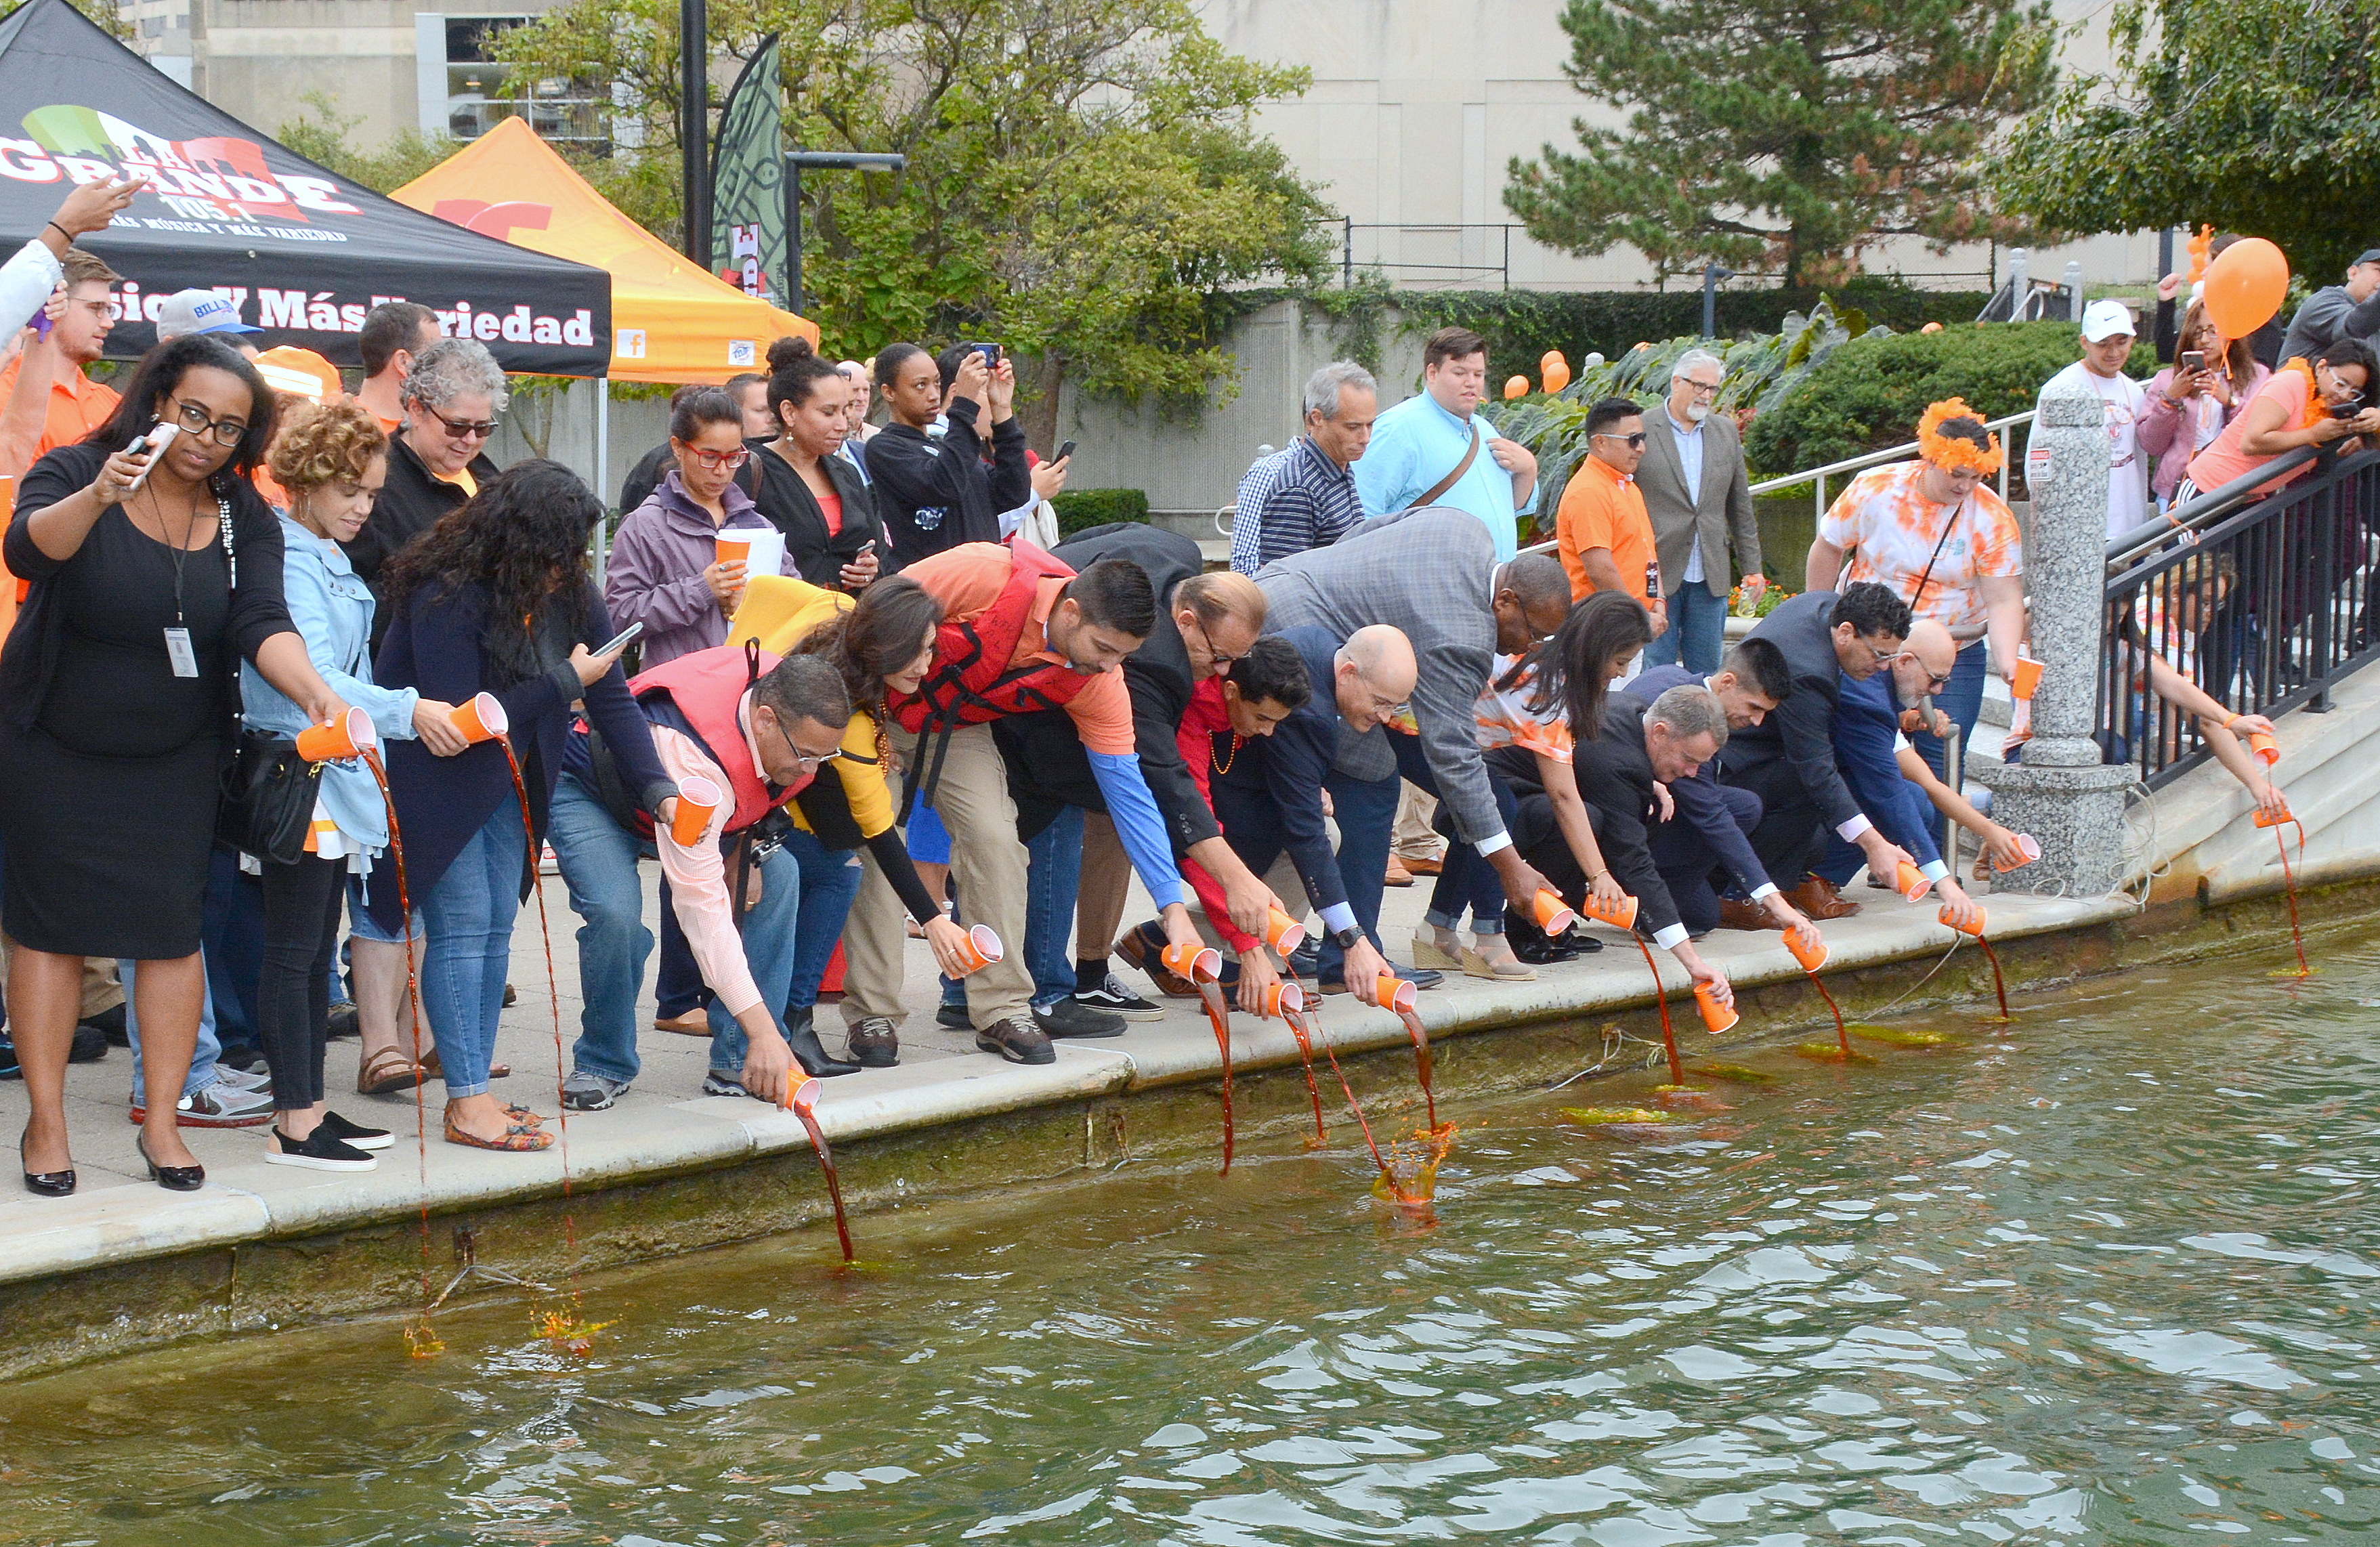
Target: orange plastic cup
[[1395, 993], [696, 799], [482, 719], [1200, 964], [2281, 821], [2031, 847], [2026, 678], [1812, 958], [1554, 916], [2263, 746], [338, 739], [1619, 916], [1976, 929], [1285, 998], [1911, 882], [734, 550], [1282, 932], [979, 949], [1716, 1016], [802, 1091]]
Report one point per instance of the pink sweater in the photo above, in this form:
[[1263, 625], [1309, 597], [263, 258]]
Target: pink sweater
[[2169, 432]]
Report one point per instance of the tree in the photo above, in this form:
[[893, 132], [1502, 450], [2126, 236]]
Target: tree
[[1082, 176], [2255, 115], [319, 134], [1784, 134]]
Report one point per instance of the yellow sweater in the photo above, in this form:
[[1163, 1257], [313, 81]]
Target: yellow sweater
[[779, 612]]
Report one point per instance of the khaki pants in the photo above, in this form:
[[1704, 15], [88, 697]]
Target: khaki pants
[[1099, 898], [101, 992], [989, 865], [1414, 838]]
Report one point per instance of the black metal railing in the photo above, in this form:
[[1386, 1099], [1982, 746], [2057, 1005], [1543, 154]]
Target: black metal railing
[[2262, 599]]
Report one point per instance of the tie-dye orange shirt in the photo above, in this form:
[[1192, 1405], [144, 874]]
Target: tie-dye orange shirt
[[1889, 530]]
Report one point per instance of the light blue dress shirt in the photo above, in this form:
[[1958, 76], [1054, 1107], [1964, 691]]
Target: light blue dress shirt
[[1417, 442], [1690, 468]]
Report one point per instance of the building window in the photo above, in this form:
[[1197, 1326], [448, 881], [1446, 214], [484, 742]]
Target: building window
[[480, 94]]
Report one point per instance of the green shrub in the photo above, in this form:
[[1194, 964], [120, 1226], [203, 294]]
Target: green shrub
[[1081, 509], [1870, 393]]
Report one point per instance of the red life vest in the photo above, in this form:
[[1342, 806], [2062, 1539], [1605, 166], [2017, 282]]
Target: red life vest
[[706, 687], [971, 682]]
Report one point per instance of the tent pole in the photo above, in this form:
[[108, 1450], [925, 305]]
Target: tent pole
[[603, 472]]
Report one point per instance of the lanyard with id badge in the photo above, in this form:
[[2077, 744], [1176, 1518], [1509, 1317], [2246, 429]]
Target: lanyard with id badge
[[179, 652]]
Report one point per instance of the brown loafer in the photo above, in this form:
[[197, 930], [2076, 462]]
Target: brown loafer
[[1397, 875], [1818, 898], [1134, 948], [1735, 914], [694, 1023], [1422, 865]]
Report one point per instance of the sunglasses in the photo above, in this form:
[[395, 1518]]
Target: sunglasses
[[465, 429], [1635, 442]]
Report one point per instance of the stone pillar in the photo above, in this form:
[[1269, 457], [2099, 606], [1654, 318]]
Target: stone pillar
[[2060, 793]]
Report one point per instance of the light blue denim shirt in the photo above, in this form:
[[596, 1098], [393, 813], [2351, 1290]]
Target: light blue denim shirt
[[1417, 442], [332, 611]]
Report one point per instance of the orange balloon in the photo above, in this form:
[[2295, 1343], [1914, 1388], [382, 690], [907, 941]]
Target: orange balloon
[[1516, 386], [2245, 287], [1557, 374], [1931, 327], [1552, 360]]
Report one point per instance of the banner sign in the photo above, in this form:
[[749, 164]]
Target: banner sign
[[748, 182]]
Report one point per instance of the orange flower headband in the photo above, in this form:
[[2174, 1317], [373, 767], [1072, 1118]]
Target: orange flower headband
[[1952, 451]]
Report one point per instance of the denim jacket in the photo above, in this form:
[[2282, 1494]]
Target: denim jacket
[[332, 610]]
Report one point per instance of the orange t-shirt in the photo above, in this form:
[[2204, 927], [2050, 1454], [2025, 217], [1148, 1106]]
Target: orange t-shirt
[[966, 580], [78, 406], [1601, 509]]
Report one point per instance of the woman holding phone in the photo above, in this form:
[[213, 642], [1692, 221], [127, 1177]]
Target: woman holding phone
[[821, 502], [154, 574], [2192, 401], [496, 599]]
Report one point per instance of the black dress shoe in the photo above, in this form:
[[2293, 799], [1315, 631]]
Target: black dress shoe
[[173, 1178], [90, 1045], [49, 1184], [811, 1053]]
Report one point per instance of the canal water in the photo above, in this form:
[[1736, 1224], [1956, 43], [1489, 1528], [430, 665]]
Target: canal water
[[2106, 1275]]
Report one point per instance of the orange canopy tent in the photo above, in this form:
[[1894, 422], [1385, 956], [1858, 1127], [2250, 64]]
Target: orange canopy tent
[[670, 320]]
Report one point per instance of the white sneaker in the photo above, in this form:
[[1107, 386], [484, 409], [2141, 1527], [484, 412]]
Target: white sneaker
[[224, 1105]]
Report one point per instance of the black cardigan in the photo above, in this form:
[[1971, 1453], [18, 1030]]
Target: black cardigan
[[932, 496], [31, 657], [790, 506], [409, 504]]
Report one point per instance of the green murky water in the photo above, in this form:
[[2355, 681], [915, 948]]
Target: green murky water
[[2111, 1278]]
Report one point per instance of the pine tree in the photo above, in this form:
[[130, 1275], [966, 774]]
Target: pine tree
[[1784, 134]]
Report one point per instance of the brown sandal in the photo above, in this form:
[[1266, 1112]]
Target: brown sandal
[[386, 1072], [518, 1139]]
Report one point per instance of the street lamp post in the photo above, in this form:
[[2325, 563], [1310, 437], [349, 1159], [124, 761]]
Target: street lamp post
[[1712, 275], [694, 124], [819, 160]]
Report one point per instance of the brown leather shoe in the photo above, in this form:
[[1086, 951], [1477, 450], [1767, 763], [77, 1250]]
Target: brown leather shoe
[[1421, 866], [1134, 948], [1397, 875], [1816, 898], [1736, 914], [694, 1023]]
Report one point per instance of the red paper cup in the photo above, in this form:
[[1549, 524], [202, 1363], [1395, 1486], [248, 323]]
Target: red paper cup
[[482, 719], [1282, 932], [1285, 998], [1554, 915], [1912, 883], [1716, 1016], [979, 949], [1619, 916], [2263, 746], [697, 798], [2026, 678], [2029, 845], [1395, 993], [338, 739], [1200, 964], [1976, 929], [1812, 958]]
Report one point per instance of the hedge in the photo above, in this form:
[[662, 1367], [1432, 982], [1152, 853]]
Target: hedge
[[1870, 392], [1081, 509]]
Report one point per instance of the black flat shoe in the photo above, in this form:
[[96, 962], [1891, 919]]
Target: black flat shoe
[[815, 1060], [173, 1178], [49, 1184]]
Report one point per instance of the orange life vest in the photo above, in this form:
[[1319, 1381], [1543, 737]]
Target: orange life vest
[[971, 682], [705, 687]]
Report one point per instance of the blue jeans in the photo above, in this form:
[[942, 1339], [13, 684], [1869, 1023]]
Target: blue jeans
[[234, 925], [830, 880], [468, 921], [1053, 879], [1697, 632], [203, 1059], [1466, 878], [598, 857], [771, 938], [1962, 699]]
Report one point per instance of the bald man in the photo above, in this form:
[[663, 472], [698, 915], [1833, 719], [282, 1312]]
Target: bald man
[[1872, 718]]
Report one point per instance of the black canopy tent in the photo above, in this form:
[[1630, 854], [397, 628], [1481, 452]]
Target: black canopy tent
[[303, 252]]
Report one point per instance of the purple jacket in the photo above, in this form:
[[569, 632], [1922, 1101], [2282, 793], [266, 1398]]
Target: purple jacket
[[654, 576], [2164, 434]]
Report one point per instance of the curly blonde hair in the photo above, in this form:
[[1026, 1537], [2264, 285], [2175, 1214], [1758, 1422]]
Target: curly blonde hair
[[325, 443]]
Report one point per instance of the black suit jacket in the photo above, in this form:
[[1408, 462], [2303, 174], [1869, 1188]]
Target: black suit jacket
[[1615, 779], [1802, 729]]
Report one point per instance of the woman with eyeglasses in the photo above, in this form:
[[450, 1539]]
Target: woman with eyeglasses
[[154, 574], [665, 569], [821, 502], [436, 460], [1938, 535]]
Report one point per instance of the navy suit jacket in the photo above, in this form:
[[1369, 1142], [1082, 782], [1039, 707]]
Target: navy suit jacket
[[1867, 718], [1287, 768]]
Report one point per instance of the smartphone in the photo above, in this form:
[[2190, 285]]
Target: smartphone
[[990, 353], [2192, 360], [155, 441], [621, 640], [1063, 452]]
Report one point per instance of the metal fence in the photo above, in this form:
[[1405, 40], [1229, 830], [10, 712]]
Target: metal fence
[[2262, 599]]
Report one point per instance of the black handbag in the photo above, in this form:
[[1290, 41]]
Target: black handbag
[[268, 798]]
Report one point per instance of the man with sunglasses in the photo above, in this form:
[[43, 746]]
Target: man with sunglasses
[[1602, 530], [451, 399]]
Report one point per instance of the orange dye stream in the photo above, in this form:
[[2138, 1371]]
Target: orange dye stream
[[552, 993], [833, 1179], [1412, 1191], [1220, 1020], [2289, 887], [1999, 985], [418, 1340], [1661, 999], [1842, 1037], [1423, 1062], [1357, 1107], [1305, 1055]]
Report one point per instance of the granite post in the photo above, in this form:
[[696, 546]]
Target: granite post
[[2060, 793]]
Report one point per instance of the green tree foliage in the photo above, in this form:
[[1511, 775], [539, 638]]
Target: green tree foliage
[[319, 134], [1784, 134], [1083, 173], [2255, 115]]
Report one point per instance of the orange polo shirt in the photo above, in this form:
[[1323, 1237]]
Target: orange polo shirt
[[966, 580], [1601, 509], [78, 406]]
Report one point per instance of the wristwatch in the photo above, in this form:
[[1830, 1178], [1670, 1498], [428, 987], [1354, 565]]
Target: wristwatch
[[1345, 939]]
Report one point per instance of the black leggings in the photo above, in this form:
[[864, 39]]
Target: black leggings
[[293, 1009]]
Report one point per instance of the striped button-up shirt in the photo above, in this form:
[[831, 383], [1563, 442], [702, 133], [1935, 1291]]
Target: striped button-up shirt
[[1289, 502]]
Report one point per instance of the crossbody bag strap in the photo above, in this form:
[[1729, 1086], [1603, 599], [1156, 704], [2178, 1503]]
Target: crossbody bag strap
[[1451, 479], [1925, 574]]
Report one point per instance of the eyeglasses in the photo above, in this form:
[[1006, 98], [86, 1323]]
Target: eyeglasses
[[1220, 660], [465, 429], [806, 759], [194, 421], [1635, 442], [1700, 389], [713, 461]]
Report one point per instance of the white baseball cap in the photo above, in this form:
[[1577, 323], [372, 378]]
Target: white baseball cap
[[2106, 319], [188, 311]]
